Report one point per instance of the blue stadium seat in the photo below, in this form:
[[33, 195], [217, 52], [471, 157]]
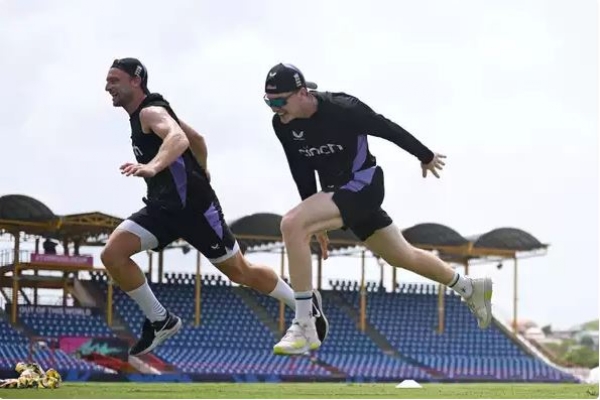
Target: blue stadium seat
[[15, 347], [232, 339]]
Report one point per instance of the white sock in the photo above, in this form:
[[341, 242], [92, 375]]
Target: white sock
[[149, 304], [462, 285], [284, 292], [303, 305]]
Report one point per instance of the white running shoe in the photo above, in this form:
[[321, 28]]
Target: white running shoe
[[300, 338], [480, 301]]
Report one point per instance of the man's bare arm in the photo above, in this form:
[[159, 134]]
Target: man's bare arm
[[197, 144], [175, 142]]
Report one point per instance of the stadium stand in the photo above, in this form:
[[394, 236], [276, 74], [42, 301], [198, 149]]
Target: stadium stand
[[232, 339]]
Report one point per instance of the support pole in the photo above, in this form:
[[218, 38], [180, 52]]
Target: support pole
[[150, 269], [160, 266], [109, 302], [515, 296], [35, 289], [35, 273], [363, 295], [16, 272], [198, 289], [65, 290], [281, 302], [441, 308], [319, 270], [381, 276]]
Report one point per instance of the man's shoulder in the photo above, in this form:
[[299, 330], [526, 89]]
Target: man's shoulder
[[155, 99], [337, 102], [156, 103]]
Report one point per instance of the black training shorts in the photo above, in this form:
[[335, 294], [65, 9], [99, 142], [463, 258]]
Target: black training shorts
[[359, 202]]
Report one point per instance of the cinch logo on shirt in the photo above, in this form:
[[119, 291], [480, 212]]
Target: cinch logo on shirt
[[321, 150]]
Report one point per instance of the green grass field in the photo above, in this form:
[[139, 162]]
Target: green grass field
[[304, 390]]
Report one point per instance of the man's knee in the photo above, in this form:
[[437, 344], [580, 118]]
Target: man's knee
[[111, 258], [120, 247], [292, 226], [288, 223]]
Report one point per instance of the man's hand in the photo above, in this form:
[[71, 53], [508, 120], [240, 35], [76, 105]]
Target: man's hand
[[324, 242], [141, 170], [434, 165]]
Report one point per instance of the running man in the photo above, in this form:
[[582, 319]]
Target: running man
[[180, 203], [327, 133]]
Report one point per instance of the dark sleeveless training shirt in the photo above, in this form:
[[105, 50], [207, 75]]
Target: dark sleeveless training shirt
[[183, 184]]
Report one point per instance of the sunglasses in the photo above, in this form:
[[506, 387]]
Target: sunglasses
[[279, 101]]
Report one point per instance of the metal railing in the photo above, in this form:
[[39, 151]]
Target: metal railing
[[7, 256]]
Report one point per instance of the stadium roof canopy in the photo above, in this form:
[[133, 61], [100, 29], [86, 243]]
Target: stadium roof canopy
[[433, 235], [16, 207], [260, 232], [507, 239]]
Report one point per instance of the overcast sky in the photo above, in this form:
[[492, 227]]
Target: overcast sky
[[508, 90]]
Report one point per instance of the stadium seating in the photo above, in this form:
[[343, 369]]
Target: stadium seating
[[238, 361], [10, 344], [15, 347], [230, 338], [408, 318], [226, 322], [234, 339], [373, 366], [346, 348], [57, 325]]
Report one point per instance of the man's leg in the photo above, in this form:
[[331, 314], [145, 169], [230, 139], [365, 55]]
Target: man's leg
[[128, 239], [316, 214], [263, 279], [389, 243], [116, 257], [259, 277], [210, 234]]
